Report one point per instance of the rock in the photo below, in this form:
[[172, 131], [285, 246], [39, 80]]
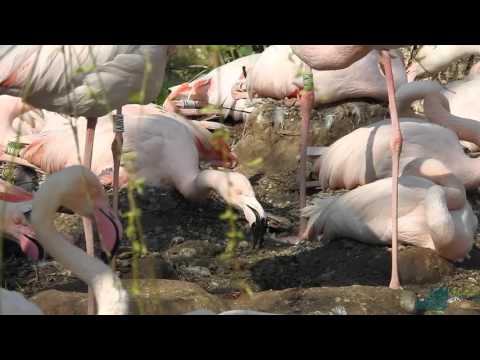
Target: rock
[[463, 307], [156, 297], [177, 240], [152, 267], [193, 250], [55, 302], [351, 300], [243, 244], [172, 297], [197, 270], [422, 266]]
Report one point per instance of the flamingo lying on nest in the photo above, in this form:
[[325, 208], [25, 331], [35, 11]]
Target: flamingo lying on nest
[[78, 189], [434, 215]]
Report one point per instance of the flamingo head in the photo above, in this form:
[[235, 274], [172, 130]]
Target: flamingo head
[[196, 91], [84, 195], [17, 226], [17, 203], [237, 191]]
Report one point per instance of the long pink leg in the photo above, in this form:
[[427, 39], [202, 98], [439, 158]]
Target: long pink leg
[[396, 148], [306, 106], [87, 223]]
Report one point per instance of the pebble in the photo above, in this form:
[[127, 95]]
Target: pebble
[[188, 252], [243, 244], [198, 270], [177, 240]]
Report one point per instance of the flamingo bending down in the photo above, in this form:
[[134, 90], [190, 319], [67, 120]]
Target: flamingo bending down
[[217, 88], [335, 57], [84, 80], [79, 190], [434, 58], [166, 155], [430, 216]]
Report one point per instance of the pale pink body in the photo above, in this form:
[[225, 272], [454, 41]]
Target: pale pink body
[[425, 217], [363, 155], [278, 74], [435, 58], [334, 57], [215, 88], [166, 155], [462, 95], [49, 123], [62, 78]]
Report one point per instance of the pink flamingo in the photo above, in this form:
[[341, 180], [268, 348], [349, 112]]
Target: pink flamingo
[[345, 166], [434, 215], [167, 155], [221, 87], [434, 58], [84, 80], [336, 57], [277, 74], [215, 151], [79, 190]]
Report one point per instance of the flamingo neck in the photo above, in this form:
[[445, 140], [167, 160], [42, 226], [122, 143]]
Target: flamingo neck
[[410, 92], [89, 269], [436, 109], [197, 185]]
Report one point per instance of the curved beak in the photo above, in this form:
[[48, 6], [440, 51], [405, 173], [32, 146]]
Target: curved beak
[[25, 237], [259, 228], [109, 229]]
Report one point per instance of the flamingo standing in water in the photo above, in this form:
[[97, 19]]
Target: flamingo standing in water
[[167, 149], [335, 57], [79, 190], [84, 80]]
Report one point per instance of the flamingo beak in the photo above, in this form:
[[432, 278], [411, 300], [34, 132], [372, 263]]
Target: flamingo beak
[[259, 228], [28, 243], [110, 230]]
